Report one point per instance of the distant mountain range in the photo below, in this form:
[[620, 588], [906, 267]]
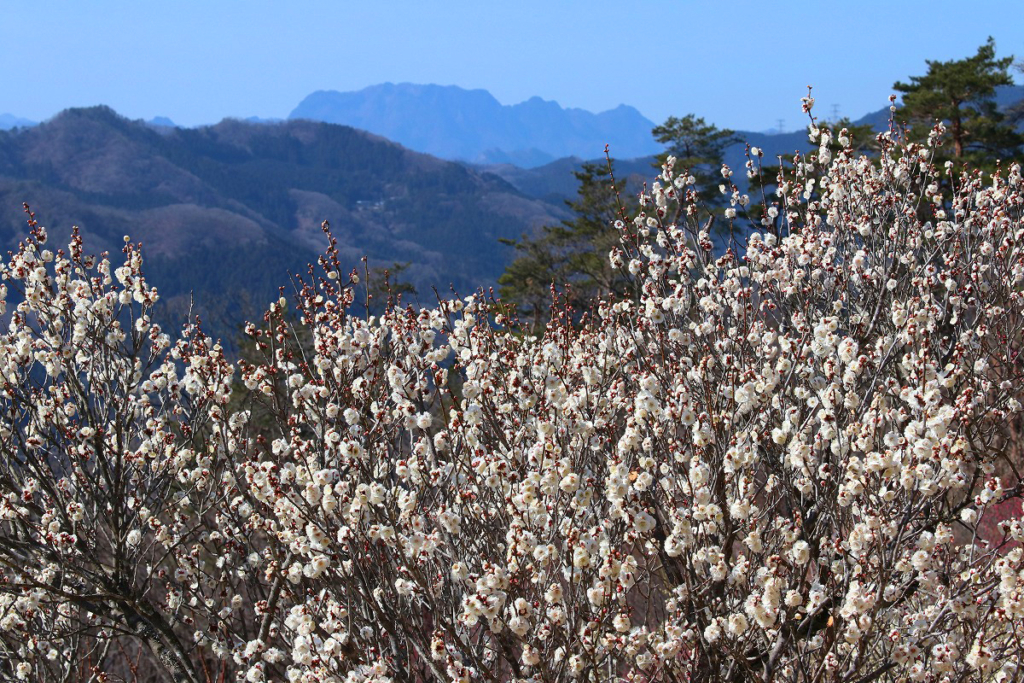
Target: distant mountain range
[[470, 125], [226, 211]]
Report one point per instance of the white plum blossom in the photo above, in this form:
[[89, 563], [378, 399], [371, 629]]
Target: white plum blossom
[[793, 459]]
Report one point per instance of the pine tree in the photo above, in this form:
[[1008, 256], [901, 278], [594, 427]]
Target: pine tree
[[961, 94], [698, 147], [572, 256]]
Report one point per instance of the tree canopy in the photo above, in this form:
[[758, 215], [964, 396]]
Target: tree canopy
[[961, 94]]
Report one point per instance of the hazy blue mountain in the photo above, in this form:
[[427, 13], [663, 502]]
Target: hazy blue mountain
[[9, 121], [555, 182], [470, 125], [259, 119], [162, 122]]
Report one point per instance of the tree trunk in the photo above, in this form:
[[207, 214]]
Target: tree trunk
[[162, 642]]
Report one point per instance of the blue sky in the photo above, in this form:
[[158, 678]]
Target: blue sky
[[739, 64]]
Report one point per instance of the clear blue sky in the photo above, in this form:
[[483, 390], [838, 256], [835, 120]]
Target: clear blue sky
[[739, 64]]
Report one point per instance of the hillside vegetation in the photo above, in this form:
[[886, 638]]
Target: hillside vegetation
[[226, 211]]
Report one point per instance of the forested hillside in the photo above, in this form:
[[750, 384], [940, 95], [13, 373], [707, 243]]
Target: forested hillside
[[226, 211]]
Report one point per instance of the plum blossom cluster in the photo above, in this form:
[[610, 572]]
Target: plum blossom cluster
[[768, 463]]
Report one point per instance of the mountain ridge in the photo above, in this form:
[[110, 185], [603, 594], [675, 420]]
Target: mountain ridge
[[228, 210], [471, 125]]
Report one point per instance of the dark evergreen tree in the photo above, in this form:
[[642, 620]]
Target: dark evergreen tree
[[699, 148], [572, 256], [961, 94]]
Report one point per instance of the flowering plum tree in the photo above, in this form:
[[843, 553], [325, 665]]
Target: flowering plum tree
[[766, 465], [113, 512]]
